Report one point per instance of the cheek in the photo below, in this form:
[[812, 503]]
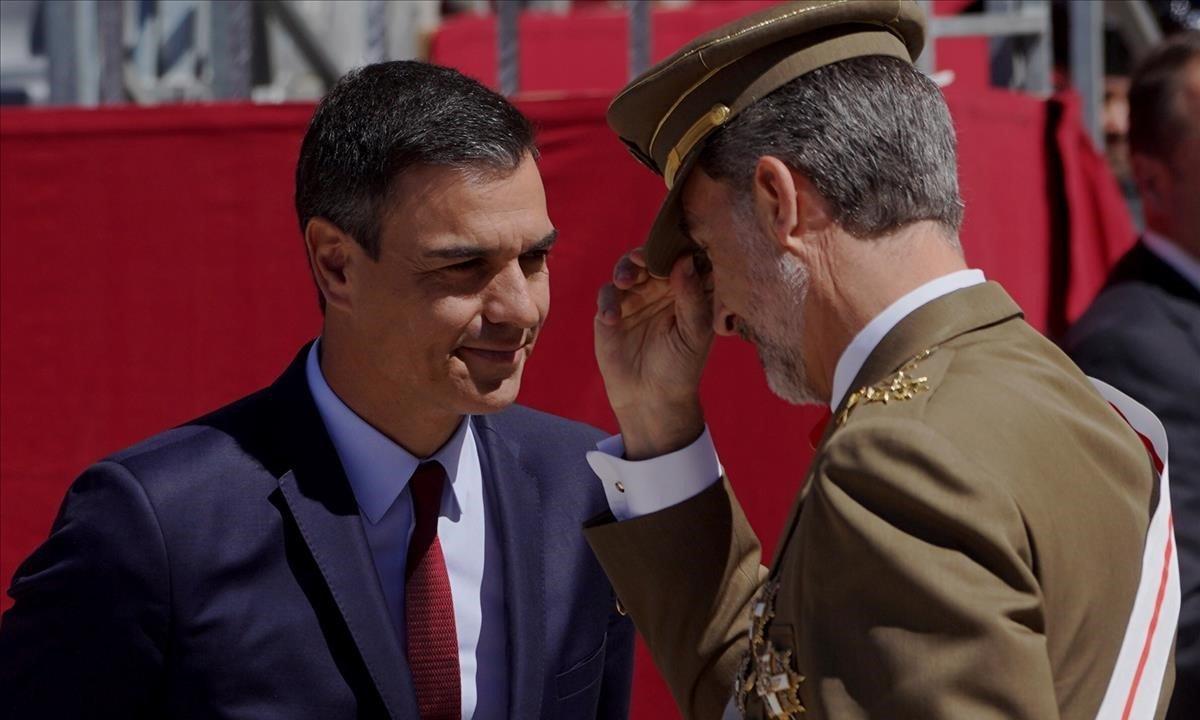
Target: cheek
[[730, 285], [539, 291], [444, 322]]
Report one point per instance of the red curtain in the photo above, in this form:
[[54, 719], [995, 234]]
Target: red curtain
[[586, 50], [151, 269]]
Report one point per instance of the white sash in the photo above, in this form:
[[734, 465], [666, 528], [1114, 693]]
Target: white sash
[[1137, 678]]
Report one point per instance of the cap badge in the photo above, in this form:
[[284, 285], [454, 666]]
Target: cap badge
[[708, 122]]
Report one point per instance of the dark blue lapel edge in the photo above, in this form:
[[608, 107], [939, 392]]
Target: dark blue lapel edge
[[320, 500], [515, 499]]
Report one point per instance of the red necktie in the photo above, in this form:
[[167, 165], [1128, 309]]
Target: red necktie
[[428, 604]]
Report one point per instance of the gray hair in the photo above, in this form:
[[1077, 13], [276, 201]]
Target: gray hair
[[872, 134]]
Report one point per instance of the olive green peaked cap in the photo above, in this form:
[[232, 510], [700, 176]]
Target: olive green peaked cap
[[666, 113]]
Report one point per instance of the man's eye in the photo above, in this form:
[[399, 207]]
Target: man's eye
[[535, 256], [465, 266], [701, 261]]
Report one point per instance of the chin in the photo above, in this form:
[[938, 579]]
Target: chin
[[787, 377], [482, 398], [791, 390]]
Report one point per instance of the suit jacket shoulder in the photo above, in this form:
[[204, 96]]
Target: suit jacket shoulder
[[1143, 300], [527, 424]]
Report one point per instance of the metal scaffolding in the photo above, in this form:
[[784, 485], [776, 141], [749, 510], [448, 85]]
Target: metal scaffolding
[[106, 51]]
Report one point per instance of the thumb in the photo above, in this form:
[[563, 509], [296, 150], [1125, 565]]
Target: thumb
[[693, 307]]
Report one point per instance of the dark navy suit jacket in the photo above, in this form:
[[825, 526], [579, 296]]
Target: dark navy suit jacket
[[1142, 335], [220, 570]]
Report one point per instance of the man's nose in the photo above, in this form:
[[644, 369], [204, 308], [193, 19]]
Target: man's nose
[[511, 299]]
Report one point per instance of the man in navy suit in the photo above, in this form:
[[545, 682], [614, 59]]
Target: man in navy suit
[[1142, 333], [381, 533]]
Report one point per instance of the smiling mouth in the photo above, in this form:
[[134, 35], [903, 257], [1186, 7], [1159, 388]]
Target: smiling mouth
[[501, 357]]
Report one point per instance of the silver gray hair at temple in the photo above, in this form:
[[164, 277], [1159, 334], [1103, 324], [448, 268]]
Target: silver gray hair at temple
[[872, 134]]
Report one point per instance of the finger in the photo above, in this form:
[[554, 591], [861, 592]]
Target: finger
[[615, 306], [628, 274], [608, 305], [638, 256], [693, 306]]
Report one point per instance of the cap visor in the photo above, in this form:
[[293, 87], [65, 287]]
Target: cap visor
[[667, 242]]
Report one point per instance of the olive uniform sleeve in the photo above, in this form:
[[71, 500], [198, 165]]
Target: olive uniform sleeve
[[687, 575]]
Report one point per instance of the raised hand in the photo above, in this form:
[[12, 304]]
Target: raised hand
[[652, 340]]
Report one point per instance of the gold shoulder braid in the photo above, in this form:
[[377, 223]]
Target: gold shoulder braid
[[901, 385], [765, 670]]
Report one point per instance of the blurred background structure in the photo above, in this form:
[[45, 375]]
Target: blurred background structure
[[151, 268], [102, 52], [93, 52]]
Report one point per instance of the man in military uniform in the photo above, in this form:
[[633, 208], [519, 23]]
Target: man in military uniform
[[984, 532]]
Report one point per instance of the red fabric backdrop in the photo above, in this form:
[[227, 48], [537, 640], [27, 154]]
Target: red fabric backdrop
[[151, 268], [586, 49]]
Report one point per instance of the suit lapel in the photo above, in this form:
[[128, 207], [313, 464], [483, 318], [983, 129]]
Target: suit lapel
[[321, 502], [1141, 265], [515, 501]]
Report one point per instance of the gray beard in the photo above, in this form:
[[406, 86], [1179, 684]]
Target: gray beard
[[780, 286], [787, 375]]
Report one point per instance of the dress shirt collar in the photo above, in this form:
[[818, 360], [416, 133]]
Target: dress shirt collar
[[377, 468], [859, 349], [1173, 255]]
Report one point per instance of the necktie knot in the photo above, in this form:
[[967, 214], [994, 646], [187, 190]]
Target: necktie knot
[[426, 488]]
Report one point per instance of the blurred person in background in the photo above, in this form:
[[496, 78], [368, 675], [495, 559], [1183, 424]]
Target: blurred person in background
[[381, 533], [1142, 333], [980, 534], [1114, 119]]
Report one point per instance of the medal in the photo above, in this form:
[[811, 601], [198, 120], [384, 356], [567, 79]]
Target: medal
[[766, 671]]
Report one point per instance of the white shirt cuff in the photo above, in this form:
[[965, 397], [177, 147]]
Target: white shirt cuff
[[641, 487]]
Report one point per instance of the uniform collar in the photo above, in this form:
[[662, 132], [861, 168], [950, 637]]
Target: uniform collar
[[1176, 257], [378, 469], [860, 348]]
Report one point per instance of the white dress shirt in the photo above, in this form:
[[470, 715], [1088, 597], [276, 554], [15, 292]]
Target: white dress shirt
[[636, 488], [1180, 261], [379, 470]]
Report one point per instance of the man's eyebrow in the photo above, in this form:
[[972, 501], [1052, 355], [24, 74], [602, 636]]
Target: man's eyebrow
[[473, 252], [458, 252], [545, 243]]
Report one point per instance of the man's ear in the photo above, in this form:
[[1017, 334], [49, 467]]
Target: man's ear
[[1153, 180], [786, 204], [331, 254]]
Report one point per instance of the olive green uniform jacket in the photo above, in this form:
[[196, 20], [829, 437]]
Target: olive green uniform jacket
[[970, 552]]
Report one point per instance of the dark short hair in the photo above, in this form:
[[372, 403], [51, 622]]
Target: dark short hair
[[1157, 121], [381, 119], [872, 134]]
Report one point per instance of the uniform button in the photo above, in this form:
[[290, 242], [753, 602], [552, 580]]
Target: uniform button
[[620, 486]]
